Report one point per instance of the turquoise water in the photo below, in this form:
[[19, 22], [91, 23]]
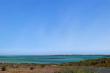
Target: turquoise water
[[47, 59]]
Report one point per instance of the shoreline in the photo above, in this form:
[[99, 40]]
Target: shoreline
[[99, 60]]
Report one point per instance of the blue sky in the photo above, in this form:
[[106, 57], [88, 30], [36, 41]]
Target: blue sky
[[40, 27]]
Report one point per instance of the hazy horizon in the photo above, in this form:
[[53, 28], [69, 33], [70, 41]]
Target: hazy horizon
[[54, 27]]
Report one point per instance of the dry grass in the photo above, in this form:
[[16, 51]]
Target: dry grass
[[30, 69]]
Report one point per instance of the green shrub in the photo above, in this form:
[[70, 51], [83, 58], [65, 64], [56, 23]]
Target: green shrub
[[42, 66]]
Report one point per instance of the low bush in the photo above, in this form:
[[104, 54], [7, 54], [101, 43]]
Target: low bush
[[3, 68]]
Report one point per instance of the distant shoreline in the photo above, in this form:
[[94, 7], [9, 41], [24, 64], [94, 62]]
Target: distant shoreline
[[64, 55]]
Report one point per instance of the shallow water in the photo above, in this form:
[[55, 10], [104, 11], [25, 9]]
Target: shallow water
[[58, 59]]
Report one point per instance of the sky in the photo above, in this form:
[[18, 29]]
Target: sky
[[53, 27]]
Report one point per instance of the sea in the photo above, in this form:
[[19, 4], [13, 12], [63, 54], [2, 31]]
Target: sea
[[48, 59]]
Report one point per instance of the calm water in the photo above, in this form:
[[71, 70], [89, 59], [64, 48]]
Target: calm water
[[46, 59]]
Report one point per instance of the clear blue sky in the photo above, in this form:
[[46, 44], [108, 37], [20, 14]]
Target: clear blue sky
[[54, 27]]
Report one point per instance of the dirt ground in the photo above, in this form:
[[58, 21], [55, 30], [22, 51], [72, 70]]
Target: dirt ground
[[46, 69]]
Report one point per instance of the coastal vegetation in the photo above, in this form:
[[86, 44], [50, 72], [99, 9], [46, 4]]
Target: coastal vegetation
[[104, 62], [88, 66]]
